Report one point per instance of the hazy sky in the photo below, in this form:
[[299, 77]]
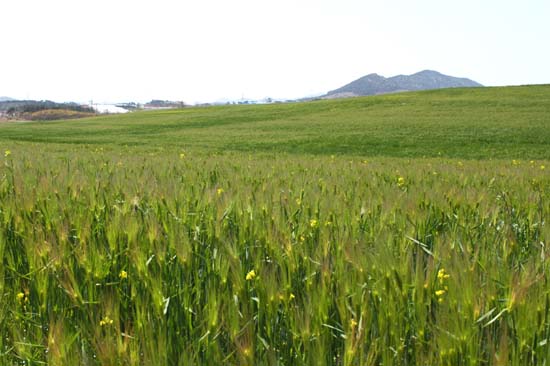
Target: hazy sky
[[134, 50]]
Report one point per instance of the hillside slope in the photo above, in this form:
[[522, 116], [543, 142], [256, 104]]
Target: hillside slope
[[508, 122]]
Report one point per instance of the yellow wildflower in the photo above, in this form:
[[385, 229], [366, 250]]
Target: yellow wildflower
[[542, 167], [123, 275], [313, 223], [251, 275], [20, 296], [440, 293], [291, 297], [182, 156], [400, 181], [442, 275], [7, 153], [105, 321], [353, 323], [219, 191]]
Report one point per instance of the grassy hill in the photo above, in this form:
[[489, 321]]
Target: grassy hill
[[511, 122]]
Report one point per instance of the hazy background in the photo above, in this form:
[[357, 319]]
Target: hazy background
[[209, 50]]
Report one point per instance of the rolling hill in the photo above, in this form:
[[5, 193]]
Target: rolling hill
[[503, 122]]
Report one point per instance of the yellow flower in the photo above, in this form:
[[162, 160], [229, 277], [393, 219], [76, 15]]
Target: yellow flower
[[542, 167], [250, 275], [123, 275], [515, 162], [440, 293], [353, 323], [313, 223], [460, 164], [182, 155], [7, 153], [20, 296], [291, 297], [219, 191], [105, 321], [400, 181], [442, 275]]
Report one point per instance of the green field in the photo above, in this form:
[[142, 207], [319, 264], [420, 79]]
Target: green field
[[409, 229], [495, 123]]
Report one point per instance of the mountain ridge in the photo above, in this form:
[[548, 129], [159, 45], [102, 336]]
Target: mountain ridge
[[375, 84]]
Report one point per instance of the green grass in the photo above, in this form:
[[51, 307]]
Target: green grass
[[353, 232], [461, 123]]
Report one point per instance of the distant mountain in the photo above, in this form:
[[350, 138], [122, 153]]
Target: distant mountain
[[6, 99], [373, 84]]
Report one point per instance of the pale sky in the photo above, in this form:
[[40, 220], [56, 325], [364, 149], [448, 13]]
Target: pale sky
[[207, 50]]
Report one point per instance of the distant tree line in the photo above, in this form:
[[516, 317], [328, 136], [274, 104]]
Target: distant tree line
[[30, 106], [44, 110], [129, 106], [156, 103]]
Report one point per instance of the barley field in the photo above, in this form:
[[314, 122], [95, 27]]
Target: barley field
[[409, 229]]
